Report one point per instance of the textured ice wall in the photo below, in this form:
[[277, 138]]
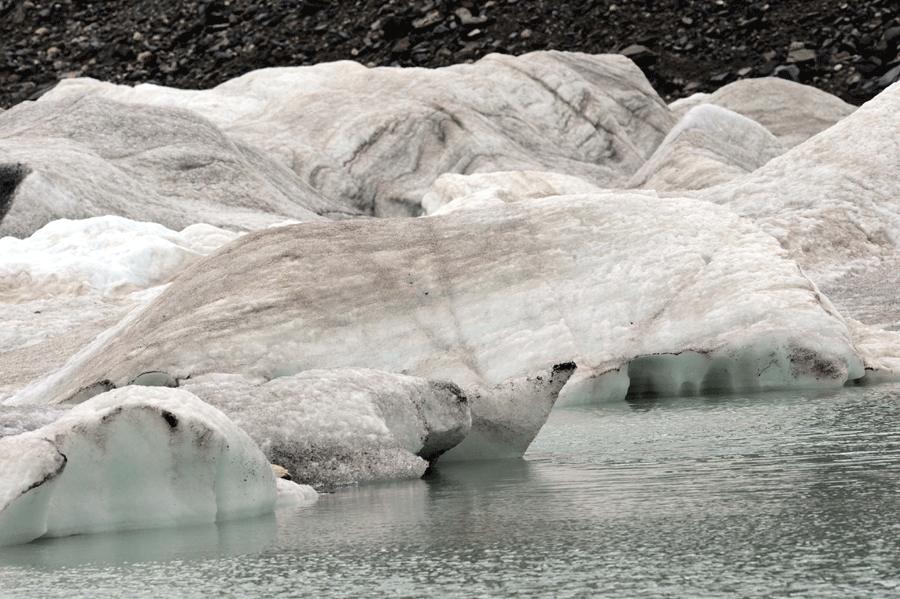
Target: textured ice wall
[[89, 156], [377, 138]]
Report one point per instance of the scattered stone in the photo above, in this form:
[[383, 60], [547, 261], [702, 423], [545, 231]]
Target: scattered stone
[[199, 44], [801, 55], [790, 72]]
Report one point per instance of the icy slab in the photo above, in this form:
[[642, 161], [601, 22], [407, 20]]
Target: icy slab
[[377, 138], [833, 201], [132, 458], [507, 417], [88, 156], [486, 296], [879, 350], [446, 194], [710, 145], [793, 112], [335, 427]]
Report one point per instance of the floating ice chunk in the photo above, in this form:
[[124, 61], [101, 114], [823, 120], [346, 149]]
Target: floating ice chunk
[[132, 458], [332, 427], [291, 494], [507, 417], [377, 138], [29, 468], [709, 145], [87, 156]]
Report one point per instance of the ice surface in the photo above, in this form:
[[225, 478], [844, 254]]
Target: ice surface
[[137, 457], [709, 145], [833, 201], [108, 254], [89, 156], [793, 112], [377, 138], [332, 427], [532, 261], [484, 296], [71, 280], [446, 194]]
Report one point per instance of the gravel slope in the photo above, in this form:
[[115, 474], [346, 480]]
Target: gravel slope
[[843, 47]]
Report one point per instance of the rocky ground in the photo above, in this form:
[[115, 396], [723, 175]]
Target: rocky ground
[[845, 47]]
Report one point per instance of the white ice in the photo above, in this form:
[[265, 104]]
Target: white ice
[[791, 111], [132, 458], [377, 138], [89, 156], [481, 297], [333, 427], [532, 256], [709, 145]]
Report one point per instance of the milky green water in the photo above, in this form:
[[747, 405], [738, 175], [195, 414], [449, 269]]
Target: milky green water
[[777, 495]]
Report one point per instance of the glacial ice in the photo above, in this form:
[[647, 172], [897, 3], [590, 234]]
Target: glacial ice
[[87, 156], [709, 145], [717, 276], [452, 191], [333, 427], [110, 255], [73, 279], [791, 111], [484, 296], [834, 200], [377, 138], [131, 458]]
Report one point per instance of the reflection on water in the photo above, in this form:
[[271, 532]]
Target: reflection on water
[[767, 496]]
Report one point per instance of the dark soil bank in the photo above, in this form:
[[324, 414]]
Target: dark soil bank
[[847, 48]]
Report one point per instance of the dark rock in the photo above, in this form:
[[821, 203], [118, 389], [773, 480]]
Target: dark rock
[[768, 68], [790, 72], [641, 55], [201, 43], [801, 55], [890, 77]]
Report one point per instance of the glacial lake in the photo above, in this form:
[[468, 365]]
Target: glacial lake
[[772, 495]]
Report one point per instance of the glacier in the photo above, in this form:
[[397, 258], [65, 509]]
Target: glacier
[[578, 242]]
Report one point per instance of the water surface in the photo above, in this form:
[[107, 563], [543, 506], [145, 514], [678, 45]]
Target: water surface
[[774, 495]]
